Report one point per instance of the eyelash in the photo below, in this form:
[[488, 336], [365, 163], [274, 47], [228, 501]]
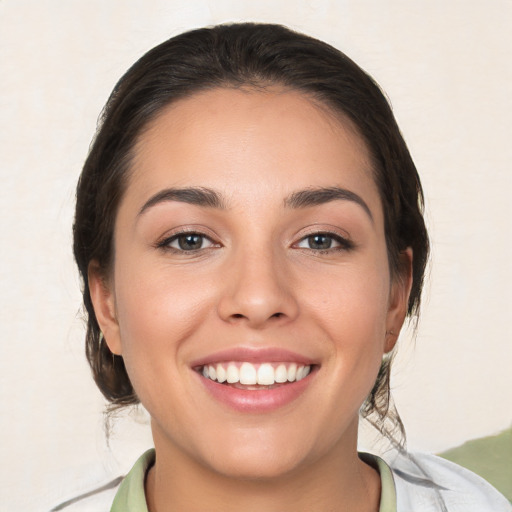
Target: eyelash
[[165, 244], [344, 244]]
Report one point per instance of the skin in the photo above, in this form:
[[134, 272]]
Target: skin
[[256, 282]]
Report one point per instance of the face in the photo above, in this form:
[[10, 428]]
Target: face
[[250, 294]]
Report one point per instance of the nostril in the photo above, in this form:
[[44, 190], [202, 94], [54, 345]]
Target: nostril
[[240, 315]]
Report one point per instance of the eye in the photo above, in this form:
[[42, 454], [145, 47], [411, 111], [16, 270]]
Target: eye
[[324, 242], [187, 242]]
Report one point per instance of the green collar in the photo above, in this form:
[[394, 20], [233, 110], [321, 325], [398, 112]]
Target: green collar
[[130, 496], [387, 484]]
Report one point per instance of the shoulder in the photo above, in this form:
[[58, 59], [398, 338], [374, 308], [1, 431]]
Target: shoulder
[[120, 494], [97, 499], [429, 483]]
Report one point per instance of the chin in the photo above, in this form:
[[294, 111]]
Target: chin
[[258, 454], [264, 466]]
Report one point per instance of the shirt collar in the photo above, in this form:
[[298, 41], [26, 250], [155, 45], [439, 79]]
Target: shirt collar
[[131, 497]]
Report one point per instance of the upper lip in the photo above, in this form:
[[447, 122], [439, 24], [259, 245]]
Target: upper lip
[[253, 355]]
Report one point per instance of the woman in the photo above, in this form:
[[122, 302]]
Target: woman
[[249, 232]]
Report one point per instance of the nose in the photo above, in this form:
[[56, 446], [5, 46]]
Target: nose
[[257, 291]]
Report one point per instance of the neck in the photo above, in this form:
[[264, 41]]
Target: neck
[[338, 481]]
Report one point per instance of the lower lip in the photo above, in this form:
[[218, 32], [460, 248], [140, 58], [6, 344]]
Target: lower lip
[[257, 400]]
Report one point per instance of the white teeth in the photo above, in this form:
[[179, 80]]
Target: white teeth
[[265, 374], [248, 374], [232, 375], [292, 372], [304, 372], [221, 373], [281, 374]]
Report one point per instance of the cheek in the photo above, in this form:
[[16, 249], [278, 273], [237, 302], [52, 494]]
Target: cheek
[[351, 299], [351, 309], [157, 309], [159, 312]]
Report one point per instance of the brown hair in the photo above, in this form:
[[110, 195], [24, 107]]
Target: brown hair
[[236, 55]]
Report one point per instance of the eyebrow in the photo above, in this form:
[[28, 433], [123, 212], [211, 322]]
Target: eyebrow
[[200, 196], [317, 196], [206, 197]]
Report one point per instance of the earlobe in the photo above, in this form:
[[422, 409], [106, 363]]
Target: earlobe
[[399, 300], [102, 297], [390, 340]]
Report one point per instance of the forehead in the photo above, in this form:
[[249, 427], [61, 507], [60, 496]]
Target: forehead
[[247, 142]]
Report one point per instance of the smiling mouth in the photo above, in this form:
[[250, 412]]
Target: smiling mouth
[[249, 376]]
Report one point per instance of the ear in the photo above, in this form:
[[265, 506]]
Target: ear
[[399, 300], [103, 301]]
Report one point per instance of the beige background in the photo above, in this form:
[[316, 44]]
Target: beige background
[[447, 67]]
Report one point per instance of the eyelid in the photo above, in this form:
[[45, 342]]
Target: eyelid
[[340, 236], [164, 241], [176, 238], [335, 239]]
